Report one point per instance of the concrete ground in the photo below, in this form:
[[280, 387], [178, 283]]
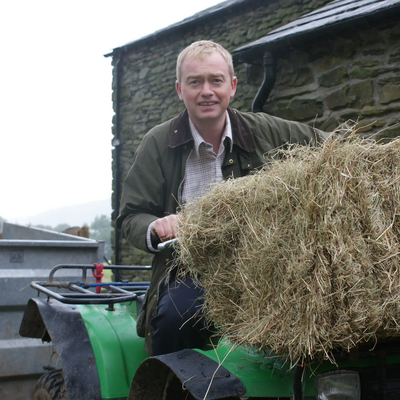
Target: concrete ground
[[17, 389]]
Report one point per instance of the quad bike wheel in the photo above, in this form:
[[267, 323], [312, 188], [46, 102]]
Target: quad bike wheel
[[50, 386]]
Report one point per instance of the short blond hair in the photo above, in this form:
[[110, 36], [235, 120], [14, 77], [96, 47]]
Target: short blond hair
[[201, 49]]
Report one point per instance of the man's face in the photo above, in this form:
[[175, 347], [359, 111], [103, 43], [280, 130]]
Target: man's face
[[206, 87]]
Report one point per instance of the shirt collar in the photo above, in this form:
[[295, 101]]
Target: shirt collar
[[242, 135], [198, 139]]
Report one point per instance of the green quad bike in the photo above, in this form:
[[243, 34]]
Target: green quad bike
[[94, 335]]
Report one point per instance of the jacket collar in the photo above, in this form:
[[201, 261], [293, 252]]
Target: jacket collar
[[241, 133]]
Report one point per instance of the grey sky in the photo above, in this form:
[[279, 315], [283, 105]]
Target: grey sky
[[55, 95]]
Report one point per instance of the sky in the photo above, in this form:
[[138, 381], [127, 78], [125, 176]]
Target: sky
[[55, 95]]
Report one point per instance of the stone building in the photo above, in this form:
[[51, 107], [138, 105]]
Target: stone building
[[320, 62]]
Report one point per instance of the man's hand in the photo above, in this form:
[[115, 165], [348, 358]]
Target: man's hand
[[163, 229]]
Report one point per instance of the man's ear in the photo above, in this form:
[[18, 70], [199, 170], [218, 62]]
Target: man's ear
[[178, 89], [233, 86]]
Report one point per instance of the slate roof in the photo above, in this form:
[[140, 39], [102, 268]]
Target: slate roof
[[338, 13]]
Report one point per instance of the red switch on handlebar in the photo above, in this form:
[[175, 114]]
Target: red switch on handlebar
[[98, 275]]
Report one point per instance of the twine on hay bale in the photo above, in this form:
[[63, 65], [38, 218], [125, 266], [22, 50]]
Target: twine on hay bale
[[303, 256]]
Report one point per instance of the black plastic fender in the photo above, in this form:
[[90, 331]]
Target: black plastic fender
[[63, 325], [202, 377]]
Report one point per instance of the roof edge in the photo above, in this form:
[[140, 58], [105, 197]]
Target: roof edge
[[194, 19], [282, 37]]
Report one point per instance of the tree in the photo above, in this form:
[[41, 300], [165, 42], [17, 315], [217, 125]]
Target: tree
[[101, 229], [61, 227]]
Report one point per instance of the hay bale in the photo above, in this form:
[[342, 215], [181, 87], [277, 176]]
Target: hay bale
[[303, 256]]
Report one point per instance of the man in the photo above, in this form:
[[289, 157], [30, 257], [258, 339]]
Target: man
[[179, 160]]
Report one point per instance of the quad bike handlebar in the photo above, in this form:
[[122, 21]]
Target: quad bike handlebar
[[167, 243]]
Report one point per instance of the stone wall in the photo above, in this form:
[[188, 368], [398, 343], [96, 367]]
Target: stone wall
[[352, 76], [323, 83]]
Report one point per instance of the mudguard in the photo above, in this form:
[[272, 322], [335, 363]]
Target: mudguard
[[63, 325], [198, 374]]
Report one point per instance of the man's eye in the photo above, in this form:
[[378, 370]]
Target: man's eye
[[193, 82]]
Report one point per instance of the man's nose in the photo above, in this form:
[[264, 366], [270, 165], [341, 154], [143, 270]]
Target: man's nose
[[206, 89]]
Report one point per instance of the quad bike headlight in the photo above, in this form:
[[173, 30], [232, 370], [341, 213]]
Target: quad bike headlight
[[343, 385]]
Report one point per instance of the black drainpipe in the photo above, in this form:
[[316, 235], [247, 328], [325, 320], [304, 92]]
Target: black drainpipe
[[267, 84], [117, 153]]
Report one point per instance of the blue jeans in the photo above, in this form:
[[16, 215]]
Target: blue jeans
[[179, 323]]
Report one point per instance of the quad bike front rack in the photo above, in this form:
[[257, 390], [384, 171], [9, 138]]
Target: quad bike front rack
[[79, 291]]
